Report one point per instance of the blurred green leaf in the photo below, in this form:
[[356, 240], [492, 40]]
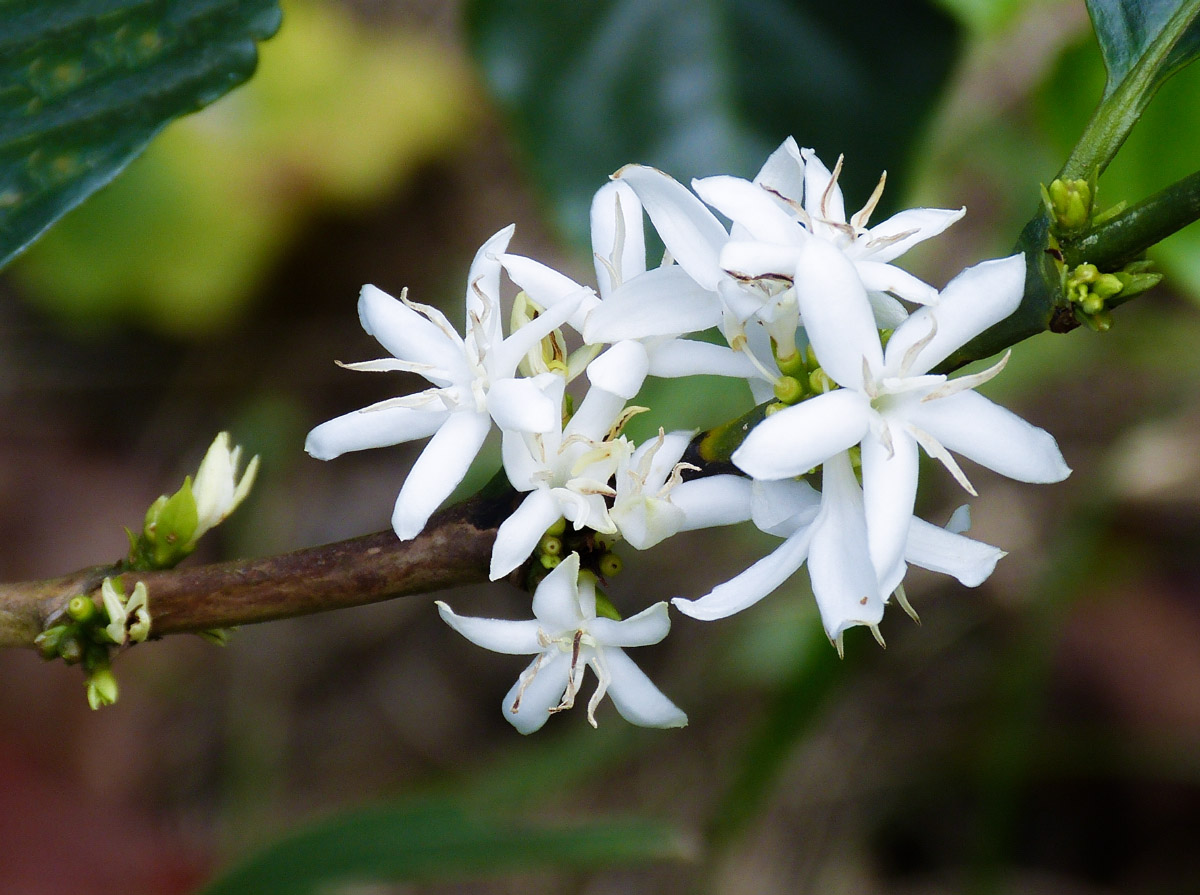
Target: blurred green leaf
[[703, 88], [438, 841], [86, 85], [1128, 29], [984, 16]]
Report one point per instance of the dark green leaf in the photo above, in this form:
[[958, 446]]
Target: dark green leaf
[[1127, 29], [437, 841], [84, 86], [706, 88]]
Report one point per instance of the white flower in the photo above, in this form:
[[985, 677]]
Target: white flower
[[217, 489], [565, 636], [474, 383], [128, 619], [890, 403], [828, 529]]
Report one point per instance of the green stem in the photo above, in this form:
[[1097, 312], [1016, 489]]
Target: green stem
[[1126, 236], [1118, 112]]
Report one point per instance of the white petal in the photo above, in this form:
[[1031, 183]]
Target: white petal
[[746, 589], [799, 438], [889, 313], [547, 287], [667, 454], [508, 354], [934, 548], [782, 507], [889, 492], [617, 235], [556, 600], [522, 405], [646, 520], [837, 314], [750, 260], [649, 626], [690, 232], [971, 425], [540, 693], [839, 563], [363, 429], [712, 501], [751, 206], [595, 415], [977, 298], [407, 334], [438, 471], [635, 696], [661, 302], [919, 223], [521, 464], [498, 635], [879, 277], [484, 277], [821, 199], [520, 532], [687, 357], [621, 369], [783, 171]]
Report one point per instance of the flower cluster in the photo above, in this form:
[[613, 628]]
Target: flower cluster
[[840, 346]]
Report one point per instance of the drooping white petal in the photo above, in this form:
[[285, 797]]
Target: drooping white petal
[[687, 357], [483, 285], [920, 224], [520, 532], [934, 548], [407, 334], [799, 438], [879, 277], [752, 207], [712, 501], [621, 369], [661, 302], [782, 507], [618, 241], [547, 287], [438, 471], [837, 314], [649, 626], [822, 197], [977, 298], [495, 634], [746, 589], [635, 696], [839, 564], [969, 424], [889, 486], [362, 429], [690, 232], [522, 405], [539, 688], [556, 599]]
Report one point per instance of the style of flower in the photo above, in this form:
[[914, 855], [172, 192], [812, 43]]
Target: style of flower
[[829, 530], [218, 489], [890, 403], [565, 637], [474, 383]]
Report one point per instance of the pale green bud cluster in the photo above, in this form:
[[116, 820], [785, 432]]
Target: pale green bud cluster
[[1092, 293], [802, 378], [1071, 204]]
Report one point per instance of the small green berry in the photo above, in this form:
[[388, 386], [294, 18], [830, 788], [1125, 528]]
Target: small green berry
[[610, 564], [81, 609]]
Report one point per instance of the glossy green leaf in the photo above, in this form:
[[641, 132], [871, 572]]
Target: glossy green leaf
[[706, 88], [1128, 29], [85, 85]]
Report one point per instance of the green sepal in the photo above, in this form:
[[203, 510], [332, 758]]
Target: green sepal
[[605, 607]]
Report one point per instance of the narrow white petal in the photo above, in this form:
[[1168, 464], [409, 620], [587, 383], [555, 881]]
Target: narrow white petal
[[621, 369], [822, 197], [549, 288], [782, 507], [783, 172], [971, 425], [795, 440], [839, 562], [879, 277], [520, 532], [919, 223], [750, 260], [667, 454], [540, 688], [661, 302], [618, 240], [687, 357], [498, 635], [934, 548], [361, 429], [407, 334], [712, 501], [506, 355], [635, 696], [889, 486], [837, 314], [649, 626], [595, 415], [556, 600], [438, 471], [746, 589], [521, 457], [522, 405], [483, 284], [751, 206], [889, 313], [977, 298], [690, 232]]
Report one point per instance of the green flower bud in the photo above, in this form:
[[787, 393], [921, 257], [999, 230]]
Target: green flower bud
[[1093, 304], [101, 688], [556, 529], [788, 389], [70, 648], [1106, 286], [820, 382], [81, 609], [1100, 322], [610, 564], [48, 641], [1085, 273], [791, 365], [549, 545], [549, 562], [1070, 204]]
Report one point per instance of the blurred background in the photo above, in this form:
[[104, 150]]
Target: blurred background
[[1037, 734]]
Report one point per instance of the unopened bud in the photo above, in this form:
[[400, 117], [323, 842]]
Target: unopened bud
[[556, 529], [549, 562], [49, 640], [1071, 204], [788, 389], [81, 609], [550, 545], [1106, 286], [610, 564], [101, 688], [1092, 304]]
